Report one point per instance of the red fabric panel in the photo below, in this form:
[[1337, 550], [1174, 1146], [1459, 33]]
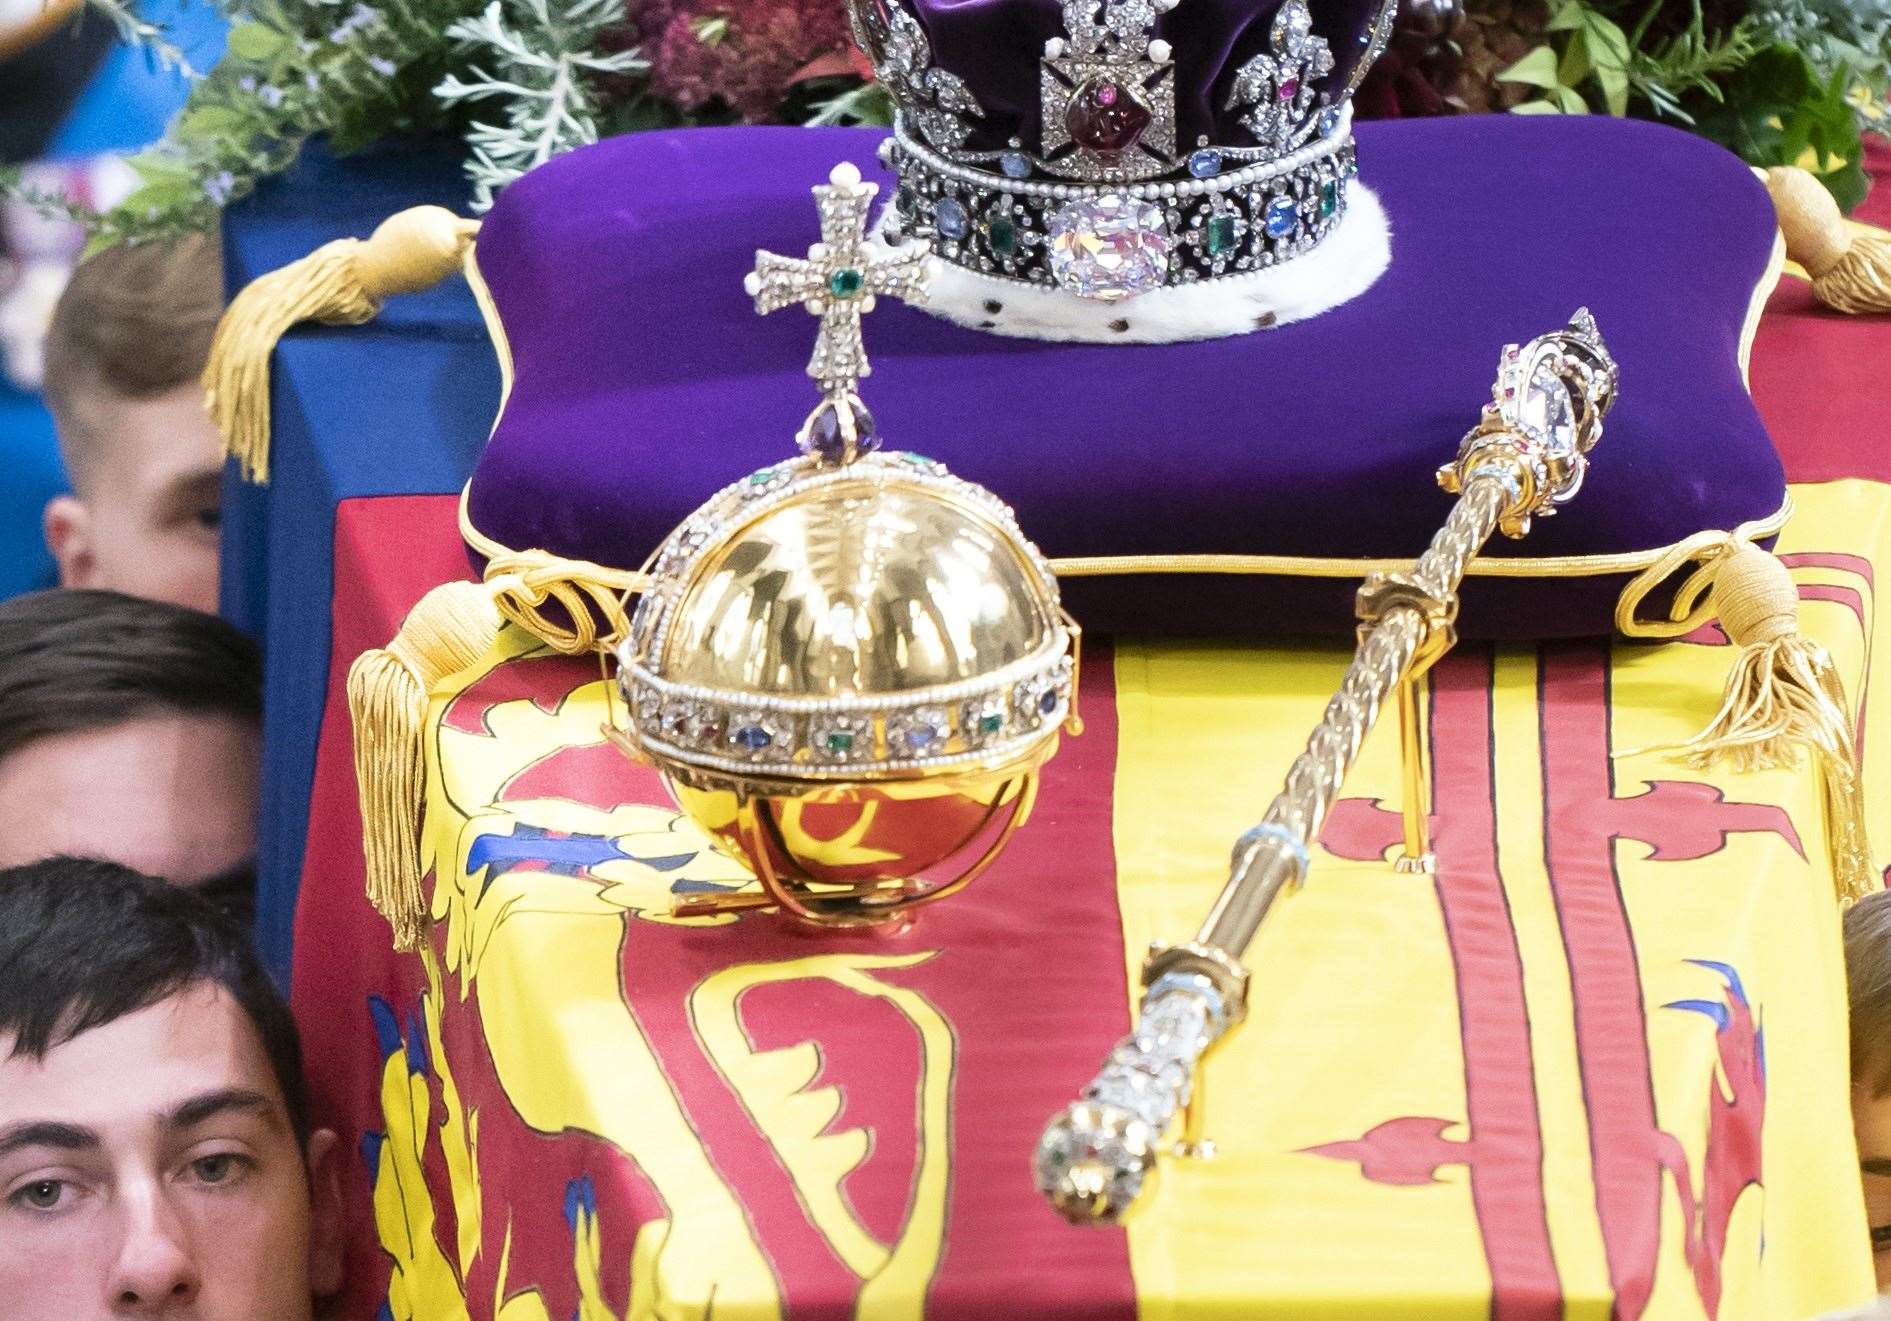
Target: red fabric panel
[[1822, 380]]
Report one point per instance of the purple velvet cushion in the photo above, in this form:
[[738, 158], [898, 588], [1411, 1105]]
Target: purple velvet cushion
[[644, 381]]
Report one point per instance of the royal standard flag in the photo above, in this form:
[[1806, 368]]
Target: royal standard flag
[[1595, 1066]]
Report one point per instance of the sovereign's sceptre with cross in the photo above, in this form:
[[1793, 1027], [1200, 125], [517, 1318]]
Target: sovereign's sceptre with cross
[[838, 282]]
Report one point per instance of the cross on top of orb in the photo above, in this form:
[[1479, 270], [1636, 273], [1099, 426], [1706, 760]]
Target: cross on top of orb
[[838, 281]]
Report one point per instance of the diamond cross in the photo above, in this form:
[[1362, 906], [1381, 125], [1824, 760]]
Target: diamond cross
[[838, 281]]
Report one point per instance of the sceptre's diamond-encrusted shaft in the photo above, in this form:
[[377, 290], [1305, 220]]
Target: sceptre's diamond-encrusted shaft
[[1096, 1157]]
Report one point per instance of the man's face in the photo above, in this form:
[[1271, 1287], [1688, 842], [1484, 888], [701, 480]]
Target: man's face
[[148, 1168], [172, 796], [1871, 1119], [144, 521]]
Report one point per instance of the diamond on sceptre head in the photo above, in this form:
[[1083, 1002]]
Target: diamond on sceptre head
[[838, 281]]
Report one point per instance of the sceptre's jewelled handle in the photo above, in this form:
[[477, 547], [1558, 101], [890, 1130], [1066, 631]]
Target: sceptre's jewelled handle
[[1525, 457]]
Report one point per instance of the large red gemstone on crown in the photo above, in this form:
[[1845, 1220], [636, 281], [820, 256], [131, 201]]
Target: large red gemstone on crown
[[1107, 115]]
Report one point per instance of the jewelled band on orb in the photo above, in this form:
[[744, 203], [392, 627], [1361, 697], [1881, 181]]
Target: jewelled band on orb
[[991, 719]]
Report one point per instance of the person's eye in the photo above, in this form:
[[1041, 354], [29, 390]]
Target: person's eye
[[210, 518], [220, 1167], [42, 1195]]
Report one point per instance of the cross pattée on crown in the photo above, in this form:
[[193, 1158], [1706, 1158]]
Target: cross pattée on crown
[[837, 281]]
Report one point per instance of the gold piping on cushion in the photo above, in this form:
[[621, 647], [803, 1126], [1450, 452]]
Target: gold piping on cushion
[[1756, 306], [1783, 692], [1292, 566], [1309, 566], [489, 313], [1849, 264], [340, 283]]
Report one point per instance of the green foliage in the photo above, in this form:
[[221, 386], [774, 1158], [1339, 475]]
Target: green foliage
[[1835, 35], [1604, 67], [1792, 82], [541, 63], [865, 104], [1764, 98], [1776, 110], [353, 71]]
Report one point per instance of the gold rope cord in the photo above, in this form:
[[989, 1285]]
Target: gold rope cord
[[593, 599]]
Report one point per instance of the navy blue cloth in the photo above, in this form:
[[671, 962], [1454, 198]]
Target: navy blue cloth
[[397, 407], [30, 459]]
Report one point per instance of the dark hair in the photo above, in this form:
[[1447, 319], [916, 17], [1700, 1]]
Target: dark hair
[[135, 321], [73, 660], [1868, 979], [83, 943]]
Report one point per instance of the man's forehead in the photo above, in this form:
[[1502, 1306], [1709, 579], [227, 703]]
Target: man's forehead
[[140, 1066], [151, 440]]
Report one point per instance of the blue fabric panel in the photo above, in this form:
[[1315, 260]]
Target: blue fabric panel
[[33, 475], [398, 407], [129, 102]]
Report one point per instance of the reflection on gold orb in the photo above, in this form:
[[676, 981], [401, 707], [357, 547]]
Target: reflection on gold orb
[[850, 677]]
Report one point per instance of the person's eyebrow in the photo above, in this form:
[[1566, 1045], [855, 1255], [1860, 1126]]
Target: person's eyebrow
[[212, 1104], [47, 1133], [187, 491], [1877, 1165]]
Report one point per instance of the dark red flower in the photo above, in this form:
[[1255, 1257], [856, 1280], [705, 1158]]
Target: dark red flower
[[745, 53]]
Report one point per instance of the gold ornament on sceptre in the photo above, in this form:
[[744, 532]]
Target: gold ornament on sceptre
[[1525, 457], [848, 667]]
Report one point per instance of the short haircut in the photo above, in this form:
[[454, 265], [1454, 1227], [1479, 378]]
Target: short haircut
[[79, 659], [84, 943], [135, 322], [1868, 976]]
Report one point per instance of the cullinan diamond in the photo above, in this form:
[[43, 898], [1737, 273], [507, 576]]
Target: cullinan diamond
[[1546, 412], [1109, 247]]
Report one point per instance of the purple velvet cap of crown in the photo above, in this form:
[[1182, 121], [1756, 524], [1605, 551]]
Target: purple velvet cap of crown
[[644, 381], [996, 46]]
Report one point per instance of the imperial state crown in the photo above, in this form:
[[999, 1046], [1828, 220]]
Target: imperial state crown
[[1113, 147]]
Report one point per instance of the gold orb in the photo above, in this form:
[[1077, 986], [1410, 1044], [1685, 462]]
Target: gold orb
[[849, 675]]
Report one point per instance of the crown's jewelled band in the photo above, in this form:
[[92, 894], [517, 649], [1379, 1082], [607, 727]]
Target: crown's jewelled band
[[1174, 231]]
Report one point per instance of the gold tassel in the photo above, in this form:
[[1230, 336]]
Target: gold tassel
[[1850, 265], [342, 283], [1782, 694], [451, 628]]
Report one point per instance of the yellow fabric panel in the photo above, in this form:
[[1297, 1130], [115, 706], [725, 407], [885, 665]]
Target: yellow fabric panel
[[1204, 736], [1355, 1015]]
